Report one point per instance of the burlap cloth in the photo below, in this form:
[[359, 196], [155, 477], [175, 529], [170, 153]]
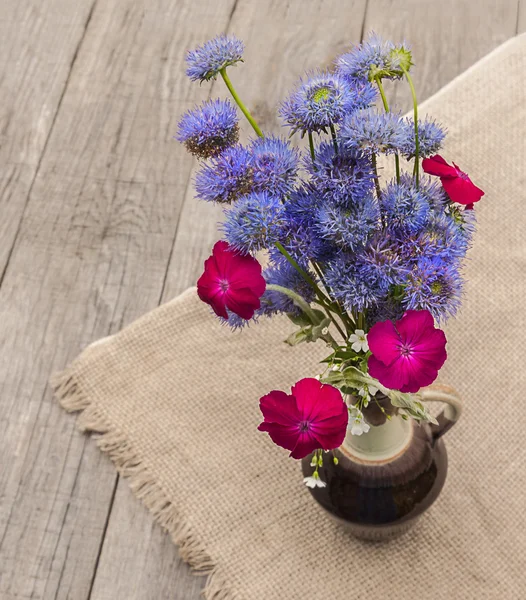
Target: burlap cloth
[[174, 399]]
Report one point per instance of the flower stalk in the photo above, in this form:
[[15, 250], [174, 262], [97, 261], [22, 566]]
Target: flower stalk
[[386, 107], [239, 102], [415, 118]]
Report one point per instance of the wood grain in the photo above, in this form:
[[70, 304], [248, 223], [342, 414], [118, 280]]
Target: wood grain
[[90, 256], [102, 225], [521, 17], [38, 46]]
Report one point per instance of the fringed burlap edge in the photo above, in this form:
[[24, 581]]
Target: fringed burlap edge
[[129, 465]]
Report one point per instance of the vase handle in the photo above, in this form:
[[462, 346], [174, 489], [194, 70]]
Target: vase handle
[[439, 392]]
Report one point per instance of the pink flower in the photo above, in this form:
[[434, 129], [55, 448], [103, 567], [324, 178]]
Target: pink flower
[[457, 184], [313, 416], [407, 355], [231, 281]]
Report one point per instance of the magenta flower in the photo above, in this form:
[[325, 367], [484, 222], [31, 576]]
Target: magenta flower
[[408, 354], [231, 281], [314, 416], [455, 182]]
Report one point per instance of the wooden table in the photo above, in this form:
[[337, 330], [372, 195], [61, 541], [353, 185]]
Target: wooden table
[[98, 225]]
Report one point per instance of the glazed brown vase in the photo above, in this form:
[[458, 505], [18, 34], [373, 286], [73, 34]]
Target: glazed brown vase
[[387, 478]]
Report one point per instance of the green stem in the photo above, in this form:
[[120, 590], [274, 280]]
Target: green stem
[[334, 141], [301, 271], [302, 304], [243, 108], [311, 147], [376, 180], [415, 117], [340, 312], [324, 301], [386, 107], [298, 300]]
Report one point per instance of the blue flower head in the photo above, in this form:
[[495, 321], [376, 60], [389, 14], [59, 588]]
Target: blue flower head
[[352, 285], [303, 243], [303, 203], [205, 62], [349, 227], [442, 237], [340, 176], [404, 208], [383, 260], [281, 272], [274, 165], [254, 222], [371, 131], [323, 99], [434, 285], [430, 138], [207, 130], [228, 177], [374, 58]]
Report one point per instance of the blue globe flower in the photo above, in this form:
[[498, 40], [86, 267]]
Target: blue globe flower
[[342, 176], [383, 260], [373, 52], [274, 165], [254, 222], [430, 138], [370, 131], [442, 237], [207, 130], [375, 58], [228, 177], [434, 285], [351, 226], [323, 99], [205, 62], [352, 285], [404, 208]]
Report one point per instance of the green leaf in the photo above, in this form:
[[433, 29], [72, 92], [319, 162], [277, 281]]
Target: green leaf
[[302, 320], [297, 337], [411, 405]]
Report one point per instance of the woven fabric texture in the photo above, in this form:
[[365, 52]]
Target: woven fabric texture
[[174, 401]]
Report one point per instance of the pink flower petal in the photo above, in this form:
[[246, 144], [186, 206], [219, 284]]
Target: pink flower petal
[[284, 436], [304, 446], [413, 325], [278, 407], [384, 342], [242, 302], [432, 348], [436, 165], [391, 376], [330, 432], [462, 191]]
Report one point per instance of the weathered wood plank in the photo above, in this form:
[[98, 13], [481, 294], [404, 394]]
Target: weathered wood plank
[[90, 256], [38, 45], [521, 17]]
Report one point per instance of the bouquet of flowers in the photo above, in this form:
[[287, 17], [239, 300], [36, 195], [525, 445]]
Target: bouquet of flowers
[[366, 267]]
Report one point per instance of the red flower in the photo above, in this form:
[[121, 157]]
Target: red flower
[[406, 355], [457, 184], [231, 281], [313, 416]]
